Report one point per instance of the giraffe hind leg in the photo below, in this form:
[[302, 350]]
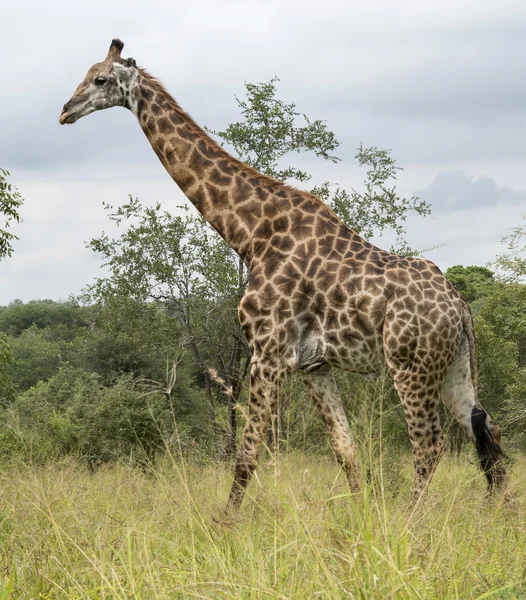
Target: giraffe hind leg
[[419, 396], [426, 438]]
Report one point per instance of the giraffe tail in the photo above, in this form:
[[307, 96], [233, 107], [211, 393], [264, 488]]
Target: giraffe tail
[[487, 441], [469, 330], [486, 432]]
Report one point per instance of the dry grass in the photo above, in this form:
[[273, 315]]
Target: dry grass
[[125, 533]]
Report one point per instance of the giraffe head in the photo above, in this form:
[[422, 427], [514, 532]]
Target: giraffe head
[[108, 83]]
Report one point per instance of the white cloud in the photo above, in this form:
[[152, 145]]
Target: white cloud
[[453, 191], [51, 259]]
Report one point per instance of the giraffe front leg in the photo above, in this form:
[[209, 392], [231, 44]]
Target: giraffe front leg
[[325, 394], [262, 401]]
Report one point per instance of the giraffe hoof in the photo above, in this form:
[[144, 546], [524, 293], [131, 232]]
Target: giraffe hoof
[[227, 518]]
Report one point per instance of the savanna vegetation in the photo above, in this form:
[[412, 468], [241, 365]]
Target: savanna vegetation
[[120, 411]]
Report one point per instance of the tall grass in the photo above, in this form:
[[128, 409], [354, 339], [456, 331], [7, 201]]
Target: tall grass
[[121, 532]]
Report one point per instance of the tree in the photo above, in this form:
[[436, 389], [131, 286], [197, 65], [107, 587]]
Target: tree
[[10, 202], [268, 132], [36, 357], [41, 335], [180, 264], [511, 264], [6, 358], [472, 282], [379, 207], [505, 310], [128, 336], [73, 413], [64, 318], [511, 269], [500, 323]]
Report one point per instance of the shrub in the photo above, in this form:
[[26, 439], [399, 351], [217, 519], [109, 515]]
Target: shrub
[[73, 414]]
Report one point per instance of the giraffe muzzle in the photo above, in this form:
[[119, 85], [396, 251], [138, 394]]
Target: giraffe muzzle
[[64, 115], [71, 112]]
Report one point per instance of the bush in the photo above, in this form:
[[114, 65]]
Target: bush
[[125, 423], [497, 360], [73, 414], [516, 409], [35, 358], [6, 386]]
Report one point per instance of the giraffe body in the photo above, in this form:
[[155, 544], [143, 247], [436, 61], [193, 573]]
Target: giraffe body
[[319, 296]]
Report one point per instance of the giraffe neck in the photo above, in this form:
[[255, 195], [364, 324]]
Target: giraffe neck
[[234, 198]]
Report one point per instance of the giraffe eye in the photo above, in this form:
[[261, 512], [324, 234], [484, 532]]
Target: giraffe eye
[[100, 80]]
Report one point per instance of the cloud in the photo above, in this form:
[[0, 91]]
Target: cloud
[[457, 191], [467, 237], [470, 215], [60, 215]]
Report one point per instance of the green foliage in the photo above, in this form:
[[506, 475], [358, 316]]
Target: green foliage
[[163, 257], [67, 380], [504, 309], [515, 409], [511, 264], [6, 387], [36, 357], [72, 413], [63, 318], [128, 336], [500, 324], [21, 446], [268, 132], [472, 282], [42, 335], [124, 422], [177, 269], [10, 203], [498, 367]]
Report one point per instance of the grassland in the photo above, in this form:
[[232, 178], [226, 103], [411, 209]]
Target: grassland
[[122, 532]]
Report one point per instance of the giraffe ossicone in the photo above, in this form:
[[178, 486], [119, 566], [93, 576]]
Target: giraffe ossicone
[[319, 296]]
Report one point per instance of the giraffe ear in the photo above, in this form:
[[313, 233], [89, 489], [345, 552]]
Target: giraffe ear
[[122, 72]]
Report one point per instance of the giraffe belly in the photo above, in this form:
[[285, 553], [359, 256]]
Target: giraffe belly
[[358, 356]]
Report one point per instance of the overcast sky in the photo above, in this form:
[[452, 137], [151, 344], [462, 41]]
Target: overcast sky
[[439, 83]]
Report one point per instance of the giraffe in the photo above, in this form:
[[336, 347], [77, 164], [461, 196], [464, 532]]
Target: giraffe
[[319, 296]]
